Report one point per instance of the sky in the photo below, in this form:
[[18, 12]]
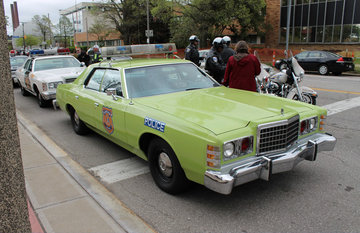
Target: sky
[[29, 8]]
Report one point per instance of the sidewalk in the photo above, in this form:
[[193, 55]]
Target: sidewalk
[[64, 197]]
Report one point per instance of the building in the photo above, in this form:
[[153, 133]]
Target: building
[[314, 24], [83, 19]]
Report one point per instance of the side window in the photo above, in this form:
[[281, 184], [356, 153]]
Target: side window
[[95, 80], [111, 79], [28, 65], [302, 55]]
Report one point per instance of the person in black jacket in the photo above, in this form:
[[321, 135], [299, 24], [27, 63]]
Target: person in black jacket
[[215, 65], [191, 51], [228, 51], [84, 57]]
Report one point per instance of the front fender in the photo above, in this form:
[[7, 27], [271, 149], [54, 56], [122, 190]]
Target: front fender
[[303, 89]]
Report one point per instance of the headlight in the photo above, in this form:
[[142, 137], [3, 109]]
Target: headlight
[[54, 85], [229, 149], [238, 147], [308, 125]]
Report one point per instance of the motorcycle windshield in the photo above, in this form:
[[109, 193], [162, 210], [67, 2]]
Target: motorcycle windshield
[[297, 68]]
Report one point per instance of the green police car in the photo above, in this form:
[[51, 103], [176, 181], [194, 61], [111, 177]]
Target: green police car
[[189, 127]]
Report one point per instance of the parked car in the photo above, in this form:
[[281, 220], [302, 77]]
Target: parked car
[[16, 62], [202, 57], [323, 62], [40, 76], [188, 126]]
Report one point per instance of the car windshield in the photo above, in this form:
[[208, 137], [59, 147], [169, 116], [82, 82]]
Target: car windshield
[[56, 63], [17, 61], [163, 79]]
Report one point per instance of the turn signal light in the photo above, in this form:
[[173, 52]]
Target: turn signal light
[[213, 156]]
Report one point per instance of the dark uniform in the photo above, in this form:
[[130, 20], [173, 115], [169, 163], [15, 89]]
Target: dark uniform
[[215, 65], [192, 54], [227, 53]]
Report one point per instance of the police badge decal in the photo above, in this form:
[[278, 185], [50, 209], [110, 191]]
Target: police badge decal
[[107, 119]]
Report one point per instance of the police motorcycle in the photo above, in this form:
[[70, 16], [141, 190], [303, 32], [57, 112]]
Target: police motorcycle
[[286, 82], [263, 78]]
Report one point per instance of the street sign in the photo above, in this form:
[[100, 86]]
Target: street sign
[[149, 33]]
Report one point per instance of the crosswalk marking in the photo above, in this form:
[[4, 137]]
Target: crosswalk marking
[[342, 105], [120, 170], [131, 167]]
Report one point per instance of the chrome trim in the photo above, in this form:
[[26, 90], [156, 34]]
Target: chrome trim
[[263, 167], [274, 124], [48, 95]]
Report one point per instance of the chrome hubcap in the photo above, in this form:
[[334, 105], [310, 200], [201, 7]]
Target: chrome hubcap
[[323, 69], [165, 164]]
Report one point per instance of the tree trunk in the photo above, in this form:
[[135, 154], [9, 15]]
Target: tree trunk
[[13, 206]]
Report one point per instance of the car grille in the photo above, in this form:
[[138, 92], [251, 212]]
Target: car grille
[[69, 80], [277, 136]]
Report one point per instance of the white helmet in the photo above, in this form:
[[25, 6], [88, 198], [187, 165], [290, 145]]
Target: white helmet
[[226, 39], [194, 38], [218, 42]]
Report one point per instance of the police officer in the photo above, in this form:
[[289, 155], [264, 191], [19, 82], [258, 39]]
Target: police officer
[[215, 65], [95, 54], [228, 51], [191, 51]]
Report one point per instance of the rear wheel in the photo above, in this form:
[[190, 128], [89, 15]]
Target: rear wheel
[[78, 125], [165, 168], [323, 69]]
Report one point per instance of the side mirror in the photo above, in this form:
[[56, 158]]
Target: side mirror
[[111, 91], [82, 64]]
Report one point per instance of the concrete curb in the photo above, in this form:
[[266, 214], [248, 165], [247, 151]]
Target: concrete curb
[[122, 215]]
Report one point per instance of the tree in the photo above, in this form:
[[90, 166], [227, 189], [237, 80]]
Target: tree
[[209, 18], [101, 30], [44, 25], [30, 40], [129, 18], [65, 29]]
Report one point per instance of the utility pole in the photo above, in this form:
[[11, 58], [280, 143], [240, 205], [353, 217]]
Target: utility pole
[[288, 27], [23, 36], [148, 23]]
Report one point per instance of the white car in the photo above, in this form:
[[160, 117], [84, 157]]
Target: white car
[[40, 76]]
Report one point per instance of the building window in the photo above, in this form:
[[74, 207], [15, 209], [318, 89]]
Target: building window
[[321, 21]]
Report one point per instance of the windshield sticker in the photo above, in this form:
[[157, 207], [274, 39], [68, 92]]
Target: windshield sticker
[[155, 124], [107, 119]]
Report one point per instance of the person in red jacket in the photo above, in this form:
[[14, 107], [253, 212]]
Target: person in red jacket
[[241, 69]]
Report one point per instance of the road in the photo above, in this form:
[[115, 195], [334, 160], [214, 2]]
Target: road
[[320, 196]]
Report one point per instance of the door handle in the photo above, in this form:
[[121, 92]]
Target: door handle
[[76, 97], [96, 104]]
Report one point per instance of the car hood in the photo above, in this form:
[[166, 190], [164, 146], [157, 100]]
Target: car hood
[[222, 109], [58, 74]]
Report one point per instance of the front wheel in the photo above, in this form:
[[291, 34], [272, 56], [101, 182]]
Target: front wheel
[[23, 91], [41, 101], [165, 168], [307, 98], [78, 125]]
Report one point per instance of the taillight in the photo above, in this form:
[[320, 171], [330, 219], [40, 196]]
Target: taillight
[[340, 59]]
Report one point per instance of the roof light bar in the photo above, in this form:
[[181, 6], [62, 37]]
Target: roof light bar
[[140, 49]]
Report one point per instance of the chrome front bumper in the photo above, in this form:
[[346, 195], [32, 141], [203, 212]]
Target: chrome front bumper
[[263, 166], [48, 95]]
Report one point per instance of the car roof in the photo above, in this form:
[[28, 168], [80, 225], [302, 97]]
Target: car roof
[[140, 62], [47, 57]]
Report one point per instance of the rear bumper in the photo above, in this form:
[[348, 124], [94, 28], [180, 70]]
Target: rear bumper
[[263, 167]]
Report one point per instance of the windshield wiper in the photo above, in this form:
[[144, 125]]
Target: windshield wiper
[[194, 88]]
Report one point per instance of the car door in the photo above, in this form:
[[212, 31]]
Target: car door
[[113, 106], [314, 60], [20, 73], [28, 77], [87, 98]]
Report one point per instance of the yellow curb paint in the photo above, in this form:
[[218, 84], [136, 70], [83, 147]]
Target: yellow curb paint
[[329, 90]]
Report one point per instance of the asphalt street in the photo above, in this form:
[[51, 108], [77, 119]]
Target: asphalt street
[[320, 196]]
